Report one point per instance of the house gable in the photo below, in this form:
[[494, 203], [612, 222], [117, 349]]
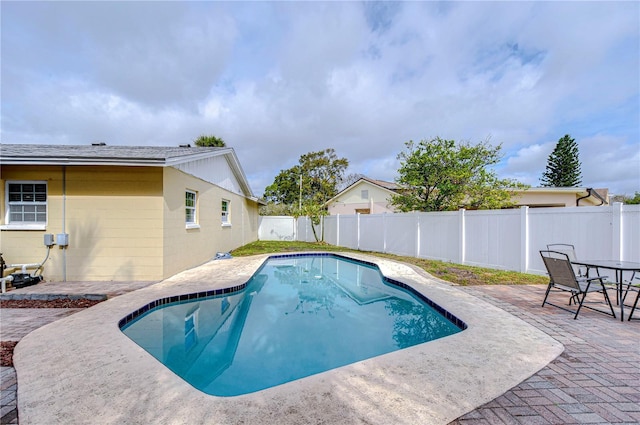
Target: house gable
[[364, 196]]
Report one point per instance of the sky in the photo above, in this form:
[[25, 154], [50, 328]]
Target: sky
[[277, 80]]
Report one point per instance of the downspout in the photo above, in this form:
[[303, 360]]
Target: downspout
[[64, 221], [590, 193]]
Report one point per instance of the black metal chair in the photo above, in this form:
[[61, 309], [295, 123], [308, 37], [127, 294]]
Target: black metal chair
[[570, 250], [563, 278], [630, 288]]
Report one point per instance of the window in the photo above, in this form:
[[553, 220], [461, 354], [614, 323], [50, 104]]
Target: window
[[190, 208], [191, 330], [26, 204], [364, 194], [225, 213]]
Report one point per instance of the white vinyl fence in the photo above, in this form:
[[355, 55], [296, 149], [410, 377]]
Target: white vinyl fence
[[500, 239]]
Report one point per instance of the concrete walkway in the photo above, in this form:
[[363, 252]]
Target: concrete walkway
[[595, 380], [15, 323]]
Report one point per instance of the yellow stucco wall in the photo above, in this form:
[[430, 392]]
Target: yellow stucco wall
[[188, 247], [113, 216], [124, 223]]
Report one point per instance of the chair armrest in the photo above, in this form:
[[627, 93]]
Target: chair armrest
[[589, 279]]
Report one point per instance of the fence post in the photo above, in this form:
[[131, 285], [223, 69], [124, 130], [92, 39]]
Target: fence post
[[358, 231], [524, 239], [616, 231], [384, 232], [462, 242], [337, 229], [417, 216]]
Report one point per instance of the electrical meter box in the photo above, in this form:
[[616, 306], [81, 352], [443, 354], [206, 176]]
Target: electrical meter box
[[62, 239], [48, 239]]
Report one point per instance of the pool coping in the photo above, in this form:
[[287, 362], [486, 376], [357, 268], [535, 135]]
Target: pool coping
[[84, 369]]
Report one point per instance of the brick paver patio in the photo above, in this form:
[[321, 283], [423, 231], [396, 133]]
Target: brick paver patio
[[596, 380]]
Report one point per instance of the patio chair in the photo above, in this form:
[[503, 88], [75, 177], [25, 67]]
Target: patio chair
[[631, 287], [570, 250], [563, 278]]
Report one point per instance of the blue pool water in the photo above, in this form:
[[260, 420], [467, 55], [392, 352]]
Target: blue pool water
[[297, 316]]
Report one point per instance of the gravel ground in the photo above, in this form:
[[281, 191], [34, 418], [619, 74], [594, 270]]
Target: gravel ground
[[57, 303]]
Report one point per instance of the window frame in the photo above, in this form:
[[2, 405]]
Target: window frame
[[25, 225], [194, 209], [225, 212], [364, 193]]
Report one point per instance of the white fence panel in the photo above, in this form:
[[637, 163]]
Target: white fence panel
[[589, 229], [305, 231], [503, 239], [440, 236], [630, 232], [492, 238], [276, 228], [401, 234], [372, 232], [331, 234], [348, 231]]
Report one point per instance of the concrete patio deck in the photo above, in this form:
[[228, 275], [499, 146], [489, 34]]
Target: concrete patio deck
[[583, 385]]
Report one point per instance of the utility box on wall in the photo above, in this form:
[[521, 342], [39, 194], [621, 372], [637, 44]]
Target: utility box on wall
[[62, 239], [48, 239]]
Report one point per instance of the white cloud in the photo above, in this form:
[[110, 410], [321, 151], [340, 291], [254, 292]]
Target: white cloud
[[280, 79]]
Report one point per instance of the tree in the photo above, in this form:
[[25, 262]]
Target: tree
[[349, 180], [304, 188], [633, 201], [314, 180], [442, 175], [210, 141], [563, 165], [625, 199]]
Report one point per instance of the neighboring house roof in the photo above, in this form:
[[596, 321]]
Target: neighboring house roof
[[99, 154], [387, 186]]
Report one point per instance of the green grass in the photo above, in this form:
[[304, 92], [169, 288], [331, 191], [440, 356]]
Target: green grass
[[455, 273]]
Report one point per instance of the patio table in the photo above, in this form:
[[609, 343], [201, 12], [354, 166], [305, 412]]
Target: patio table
[[619, 267]]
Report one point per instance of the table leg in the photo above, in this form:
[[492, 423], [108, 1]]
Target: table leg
[[619, 285]]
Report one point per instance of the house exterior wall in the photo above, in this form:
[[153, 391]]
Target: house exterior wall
[[113, 216], [553, 199], [187, 247], [124, 223], [351, 200], [214, 170]]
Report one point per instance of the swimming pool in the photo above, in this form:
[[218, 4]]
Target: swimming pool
[[297, 316], [86, 362]]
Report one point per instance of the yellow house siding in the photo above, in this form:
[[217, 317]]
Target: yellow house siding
[[27, 246], [188, 247], [113, 216], [125, 222], [114, 221]]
